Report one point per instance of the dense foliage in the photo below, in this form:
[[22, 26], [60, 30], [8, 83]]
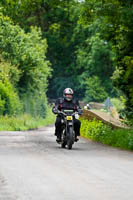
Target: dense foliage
[[25, 75], [9, 100], [97, 131]]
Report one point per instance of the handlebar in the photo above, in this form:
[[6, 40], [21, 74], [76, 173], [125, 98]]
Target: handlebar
[[61, 112]]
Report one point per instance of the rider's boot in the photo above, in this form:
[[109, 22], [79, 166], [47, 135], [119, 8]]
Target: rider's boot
[[76, 139], [58, 140]]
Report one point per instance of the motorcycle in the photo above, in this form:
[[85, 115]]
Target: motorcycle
[[68, 133]]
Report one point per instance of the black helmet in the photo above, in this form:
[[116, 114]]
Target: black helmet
[[68, 91]]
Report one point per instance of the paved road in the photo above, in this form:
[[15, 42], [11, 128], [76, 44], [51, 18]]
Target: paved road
[[34, 167]]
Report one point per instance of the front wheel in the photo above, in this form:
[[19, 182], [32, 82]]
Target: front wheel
[[64, 142], [70, 138]]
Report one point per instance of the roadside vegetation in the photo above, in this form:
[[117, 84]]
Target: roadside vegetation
[[99, 132], [25, 122]]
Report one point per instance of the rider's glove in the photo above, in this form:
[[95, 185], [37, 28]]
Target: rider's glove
[[55, 111]]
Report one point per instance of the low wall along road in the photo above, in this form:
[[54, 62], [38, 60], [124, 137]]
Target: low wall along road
[[104, 117]]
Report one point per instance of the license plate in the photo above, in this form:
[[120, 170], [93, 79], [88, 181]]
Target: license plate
[[69, 118]]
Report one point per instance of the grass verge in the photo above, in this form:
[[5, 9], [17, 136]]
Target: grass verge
[[25, 122], [97, 131]]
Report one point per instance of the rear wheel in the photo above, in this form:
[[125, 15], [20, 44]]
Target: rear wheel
[[70, 138]]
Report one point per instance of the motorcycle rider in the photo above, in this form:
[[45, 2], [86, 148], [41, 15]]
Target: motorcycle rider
[[67, 102]]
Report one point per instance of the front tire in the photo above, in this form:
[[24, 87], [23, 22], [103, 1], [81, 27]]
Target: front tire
[[70, 138], [64, 143]]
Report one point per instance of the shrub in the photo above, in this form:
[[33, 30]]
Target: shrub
[[97, 131], [118, 103], [9, 100]]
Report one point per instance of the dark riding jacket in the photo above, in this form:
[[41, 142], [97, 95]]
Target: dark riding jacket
[[62, 104]]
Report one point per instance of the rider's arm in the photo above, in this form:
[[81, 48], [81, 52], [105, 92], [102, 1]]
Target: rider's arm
[[79, 110]]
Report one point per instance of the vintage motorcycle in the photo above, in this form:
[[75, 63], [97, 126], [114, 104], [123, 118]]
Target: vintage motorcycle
[[68, 133]]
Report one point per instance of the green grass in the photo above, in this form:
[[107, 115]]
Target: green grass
[[97, 131], [25, 122]]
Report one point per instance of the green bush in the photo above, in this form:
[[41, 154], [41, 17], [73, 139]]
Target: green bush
[[9, 100], [118, 103], [97, 131]]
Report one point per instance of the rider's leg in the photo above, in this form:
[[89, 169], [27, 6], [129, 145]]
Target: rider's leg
[[77, 125], [58, 129]]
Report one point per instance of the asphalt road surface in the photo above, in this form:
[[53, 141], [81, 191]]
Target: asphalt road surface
[[34, 167]]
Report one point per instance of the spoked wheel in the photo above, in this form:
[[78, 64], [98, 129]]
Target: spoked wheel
[[70, 138]]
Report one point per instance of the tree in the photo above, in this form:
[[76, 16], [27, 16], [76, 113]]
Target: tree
[[94, 90], [117, 25], [95, 58], [26, 52]]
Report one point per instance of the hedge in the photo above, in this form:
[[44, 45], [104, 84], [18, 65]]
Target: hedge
[[97, 131]]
